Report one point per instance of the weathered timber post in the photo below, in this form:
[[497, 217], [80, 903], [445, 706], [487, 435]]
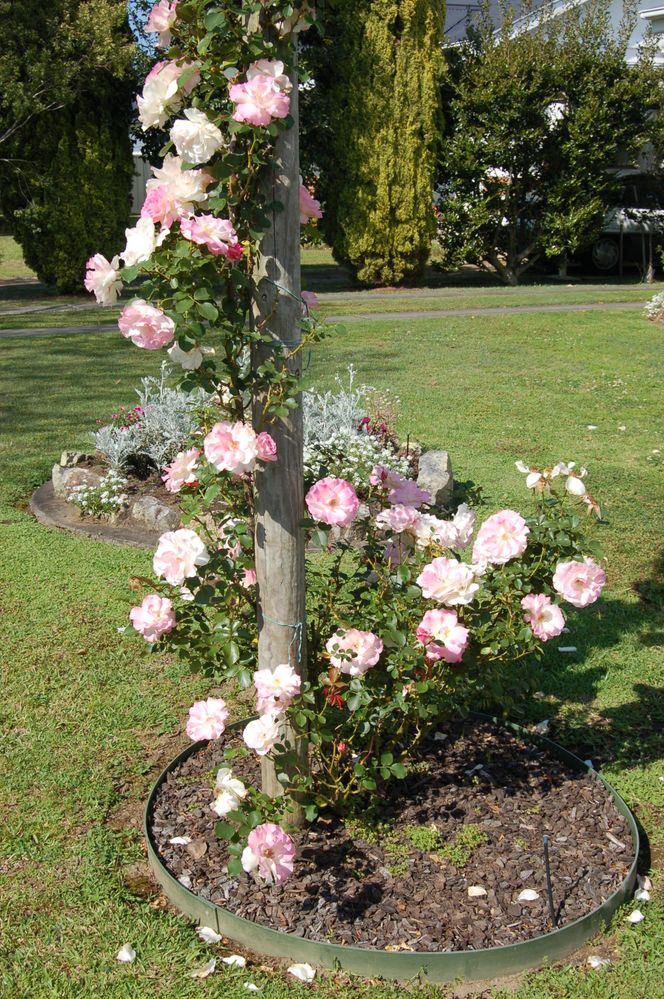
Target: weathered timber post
[[279, 485]]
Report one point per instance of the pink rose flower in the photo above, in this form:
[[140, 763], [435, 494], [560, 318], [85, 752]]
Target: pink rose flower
[[266, 448], [146, 326], [262, 734], [207, 719], [275, 689], [195, 137], [184, 189], [309, 207], [270, 852], [103, 279], [163, 92], [333, 501], [248, 578], [579, 583], [501, 538], [217, 234], [162, 18], [544, 617], [181, 471], [354, 651], [274, 69], [161, 206], [259, 100], [178, 555], [231, 447], [154, 617], [408, 493], [398, 518], [383, 476], [309, 301], [443, 636], [448, 582]]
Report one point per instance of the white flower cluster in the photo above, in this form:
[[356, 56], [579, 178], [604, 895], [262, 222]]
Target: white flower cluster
[[102, 500], [350, 455], [654, 309]]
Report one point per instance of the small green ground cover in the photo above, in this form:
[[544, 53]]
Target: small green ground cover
[[87, 716]]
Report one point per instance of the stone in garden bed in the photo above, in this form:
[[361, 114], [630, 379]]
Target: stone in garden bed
[[473, 814]]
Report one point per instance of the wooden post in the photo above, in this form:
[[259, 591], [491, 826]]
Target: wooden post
[[279, 485]]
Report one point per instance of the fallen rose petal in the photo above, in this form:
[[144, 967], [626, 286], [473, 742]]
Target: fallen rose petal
[[235, 961], [208, 935], [642, 895], [475, 891], [250, 987], [598, 962], [126, 954], [180, 840], [542, 727], [528, 895], [302, 971], [591, 426], [636, 916], [197, 849], [644, 882], [185, 881], [206, 970]]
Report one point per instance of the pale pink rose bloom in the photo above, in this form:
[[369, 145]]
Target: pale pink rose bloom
[[274, 69], [275, 689], [142, 240], [207, 719], [579, 583], [103, 279], [297, 21], [162, 92], [408, 493], [443, 636], [573, 483], [501, 538], [270, 852], [448, 582], [544, 617], [161, 206], [464, 525], [178, 555], [262, 734], [186, 188], [398, 518], [145, 325], [162, 18], [248, 578], [190, 360], [155, 617], [195, 137], [333, 501], [230, 792], [267, 449], [182, 470], [383, 476], [231, 447], [217, 234], [259, 100], [309, 301], [309, 207], [354, 651]]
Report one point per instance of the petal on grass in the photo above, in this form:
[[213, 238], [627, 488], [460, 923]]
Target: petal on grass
[[235, 961], [598, 962], [126, 954], [636, 916], [208, 935], [206, 970], [302, 971]]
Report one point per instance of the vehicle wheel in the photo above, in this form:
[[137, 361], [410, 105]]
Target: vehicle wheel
[[605, 254]]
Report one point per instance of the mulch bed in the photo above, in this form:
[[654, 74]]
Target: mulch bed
[[342, 891]]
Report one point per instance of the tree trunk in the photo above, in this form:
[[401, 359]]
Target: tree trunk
[[279, 485]]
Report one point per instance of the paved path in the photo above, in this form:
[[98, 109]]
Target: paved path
[[512, 310]]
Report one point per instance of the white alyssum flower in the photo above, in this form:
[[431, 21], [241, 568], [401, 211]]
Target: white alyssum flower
[[195, 137]]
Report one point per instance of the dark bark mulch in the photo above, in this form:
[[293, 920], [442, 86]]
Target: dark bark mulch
[[384, 892]]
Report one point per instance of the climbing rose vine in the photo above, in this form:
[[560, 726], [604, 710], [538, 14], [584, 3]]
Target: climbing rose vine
[[412, 625]]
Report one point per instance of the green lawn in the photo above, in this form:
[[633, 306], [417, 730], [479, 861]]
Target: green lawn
[[87, 717]]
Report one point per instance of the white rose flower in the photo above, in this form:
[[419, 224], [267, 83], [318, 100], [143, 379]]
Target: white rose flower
[[141, 242], [195, 137], [262, 734]]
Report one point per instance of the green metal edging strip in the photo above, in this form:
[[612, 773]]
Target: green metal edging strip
[[442, 966]]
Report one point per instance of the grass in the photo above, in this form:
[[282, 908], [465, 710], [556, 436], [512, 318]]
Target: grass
[[12, 264], [87, 717]]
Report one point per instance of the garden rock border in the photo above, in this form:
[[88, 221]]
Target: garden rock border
[[52, 511]]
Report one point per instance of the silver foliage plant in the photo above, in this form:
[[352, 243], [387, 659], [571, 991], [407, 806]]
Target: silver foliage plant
[[170, 417], [335, 439]]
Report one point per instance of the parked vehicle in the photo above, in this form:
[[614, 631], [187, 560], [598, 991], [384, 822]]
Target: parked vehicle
[[633, 230]]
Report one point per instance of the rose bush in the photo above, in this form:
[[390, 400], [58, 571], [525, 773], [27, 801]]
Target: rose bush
[[402, 632]]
